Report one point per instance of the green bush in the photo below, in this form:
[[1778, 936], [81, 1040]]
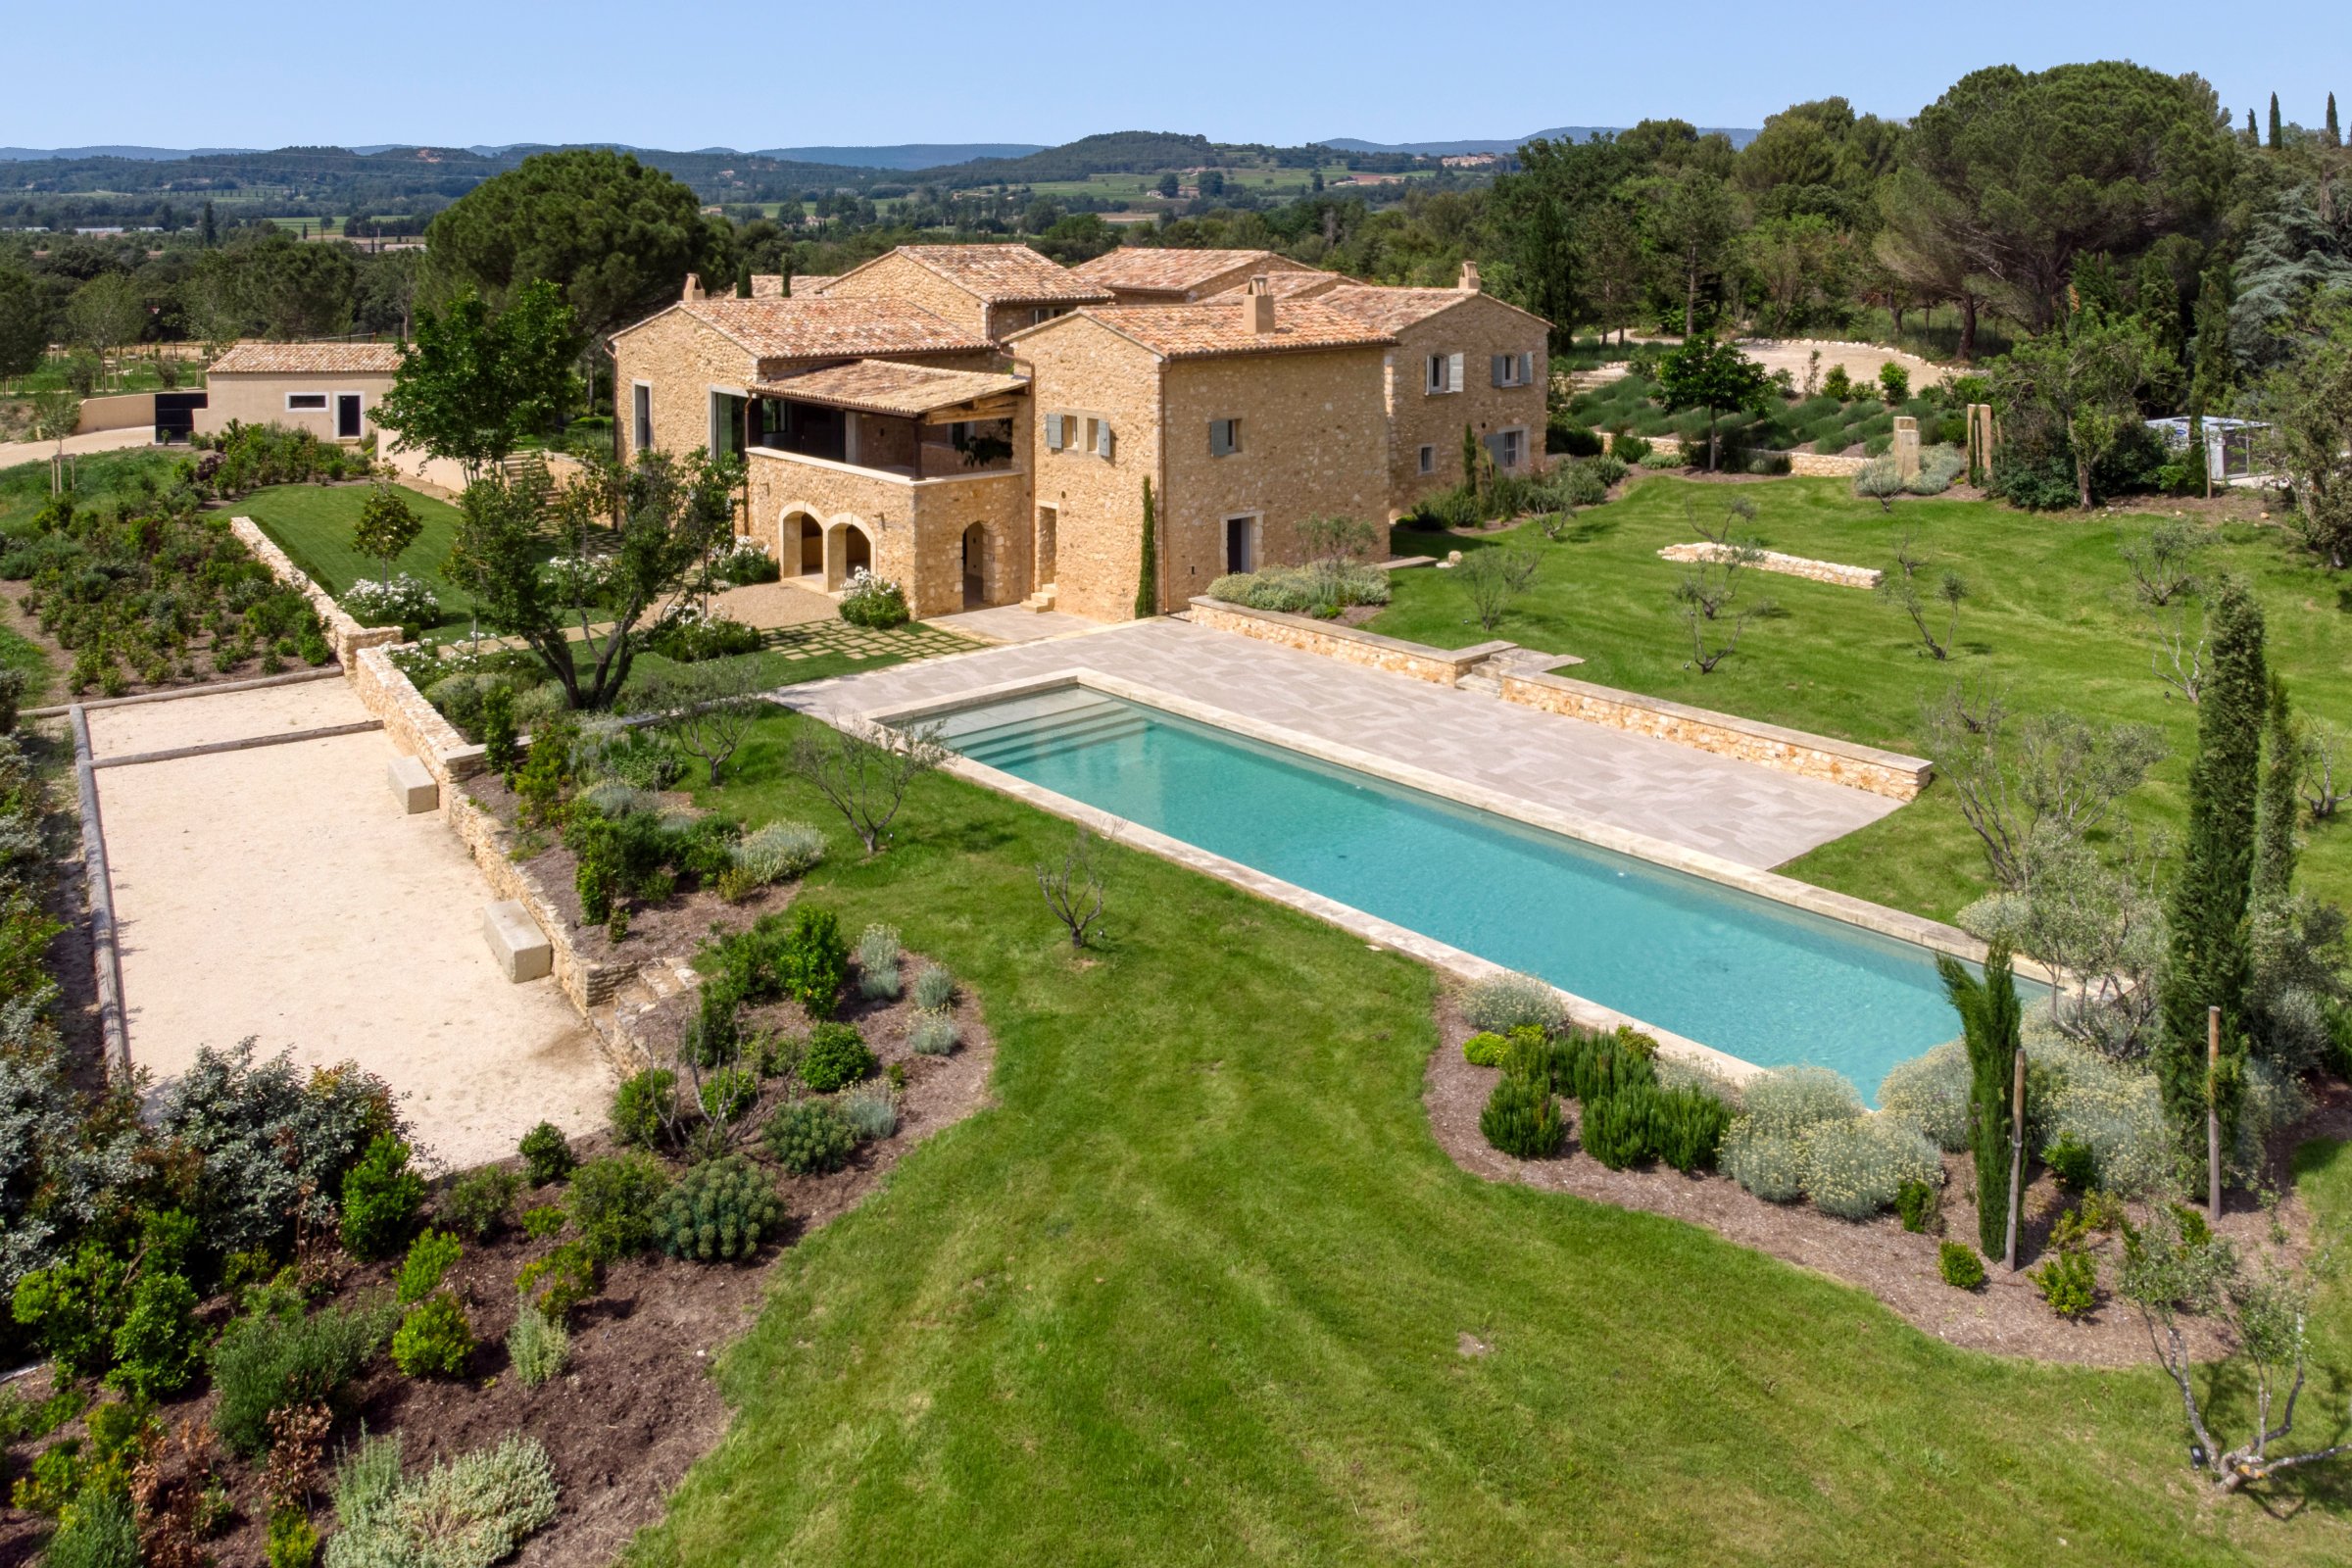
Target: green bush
[[837, 1056], [808, 1137], [554, 1285], [1768, 1164], [1522, 1119], [869, 601], [1579, 484], [1916, 1204], [1501, 1003], [2074, 1164], [429, 1257], [1484, 1048], [1619, 1130], [1962, 1269], [777, 851], [814, 962], [542, 1221], [612, 1204], [718, 1213], [538, 1345], [1561, 438], [1690, 1124], [434, 1340], [933, 1034], [878, 963], [1629, 449], [2069, 1283], [72, 1308], [97, 1530], [546, 1154], [1854, 1168], [1598, 1066], [476, 1202], [293, 1541], [645, 1108], [156, 1348], [468, 1512], [382, 1198], [1931, 1093], [276, 1357]]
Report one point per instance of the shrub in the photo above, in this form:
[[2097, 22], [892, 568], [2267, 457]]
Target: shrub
[[878, 963], [1854, 1168], [778, 850], [478, 1202], [1571, 440], [156, 1348], [1962, 1269], [276, 1357], [73, 1309], [645, 1108], [687, 636], [1629, 449], [402, 602], [434, 1340], [810, 1137], [1500, 1003], [934, 988], [933, 1034], [2074, 1164], [837, 1056], [1689, 1125], [552, 1286], [870, 1111], [1618, 1130], [542, 1221], [612, 1204], [546, 1154], [729, 1092], [2069, 1283], [538, 1346], [1931, 1093], [1938, 467], [718, 1213], [1522, 1119], [468, 1512], [1768, 1164], [1878, 480], [870, 602], [1579, 484], [1324, 588], [429, 1257], [293, 1542], [1598, 1066], [1786, 1102], [1916, 1204], [97, 1530], [381, 1197], [814, 962], [1484, 1048], [2112, 1109]]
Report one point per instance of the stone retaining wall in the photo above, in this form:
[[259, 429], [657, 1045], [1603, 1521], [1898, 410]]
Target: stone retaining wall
[[1829, 571], [1865, 767], [344, 634], [1824, 465], [1349, 643]]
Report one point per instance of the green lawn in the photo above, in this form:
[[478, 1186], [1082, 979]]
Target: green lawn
[[313, 523], [2050, 612], [1191, 1290], [24, 488]]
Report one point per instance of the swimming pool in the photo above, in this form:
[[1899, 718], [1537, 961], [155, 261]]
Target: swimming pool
[[1760, 980]]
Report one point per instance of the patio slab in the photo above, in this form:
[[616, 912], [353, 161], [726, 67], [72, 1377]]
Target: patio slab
[[1010, 623], [1739, 811]]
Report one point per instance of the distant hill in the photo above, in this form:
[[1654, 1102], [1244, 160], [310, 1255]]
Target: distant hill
[[909, 155], [35, 154], [1511, 144], [1119, 152]]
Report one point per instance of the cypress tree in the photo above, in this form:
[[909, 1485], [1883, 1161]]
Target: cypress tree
[[743, 281], [2209, 961], [2276, 140], [2275, 811], [2336, 135], [2253, 135], [211, 231], [1147, 582], [1991, 1025]]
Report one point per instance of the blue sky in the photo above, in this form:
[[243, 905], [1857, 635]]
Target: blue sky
[[791, 73]]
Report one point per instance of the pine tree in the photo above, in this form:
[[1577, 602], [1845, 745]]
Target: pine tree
[[2336, 135], [1990, 1027], [2275, 811], [2276, 140], [1146, 581], [2209, 962]]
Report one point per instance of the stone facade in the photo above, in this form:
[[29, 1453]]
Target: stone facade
[[1086, 528], [269, 398], [1790, 750], [899, 277], [1440, 666], [1477, 329], [910, 531], [1829, 572]]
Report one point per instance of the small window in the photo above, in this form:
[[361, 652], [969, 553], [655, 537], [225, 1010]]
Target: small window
[[305, 402], [641, 407], [1514, 369], [1429, 460], [1224, 437], [1437, 372], [1509, 448]]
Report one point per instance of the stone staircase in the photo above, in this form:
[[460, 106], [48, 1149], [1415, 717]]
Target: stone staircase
[[640, 1020], [1041, 601], [1486, 676]]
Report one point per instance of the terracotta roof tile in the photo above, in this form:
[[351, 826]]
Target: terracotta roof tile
[[1392, 309], [253, 358], [1288, 286], [817, 327], [1214, 327], [1170, 270], [879, 386], [770, 285], [995, 273]]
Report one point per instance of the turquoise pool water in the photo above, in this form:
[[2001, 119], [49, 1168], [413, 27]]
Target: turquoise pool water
[[1742, 973]]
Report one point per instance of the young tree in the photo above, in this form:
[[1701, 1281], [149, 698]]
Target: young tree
[[669, 511], [2308, 403], [388, 526], [473, 384], [867, 780], [2209, 965], [1991, 1027], [1494, 577], [1704, 373], [707, 707], [2085, 382], [1075, 888]]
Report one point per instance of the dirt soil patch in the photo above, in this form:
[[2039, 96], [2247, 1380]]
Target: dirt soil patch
[[2005, 1316], [637, 1406], [195, 673]]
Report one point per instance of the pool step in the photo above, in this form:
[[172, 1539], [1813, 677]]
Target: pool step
[[1024, 740]]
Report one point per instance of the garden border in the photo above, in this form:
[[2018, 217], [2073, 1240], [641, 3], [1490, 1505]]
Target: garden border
[[202, 689], [344, 634], [98, 884]]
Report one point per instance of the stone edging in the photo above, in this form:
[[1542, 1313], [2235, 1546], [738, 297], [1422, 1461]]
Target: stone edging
[[98, 884], [219, 687], [1349, 643], [1790, 750], [1832, 573], [344, 634]]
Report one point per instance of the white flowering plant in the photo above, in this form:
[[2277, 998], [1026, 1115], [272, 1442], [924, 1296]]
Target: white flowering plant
[[873, 602], [401, 602]]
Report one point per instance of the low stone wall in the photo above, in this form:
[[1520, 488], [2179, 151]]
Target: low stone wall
[[344, 634], [1349, 643], [415, 725], [1824, 465], [1835, 762], [1829, 571]]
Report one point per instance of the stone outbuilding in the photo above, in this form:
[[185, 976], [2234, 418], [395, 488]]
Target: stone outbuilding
[[329, 389], [1152, 275]]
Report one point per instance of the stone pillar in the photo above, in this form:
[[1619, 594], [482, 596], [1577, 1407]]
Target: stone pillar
[[1980, 440], [1906, 446]]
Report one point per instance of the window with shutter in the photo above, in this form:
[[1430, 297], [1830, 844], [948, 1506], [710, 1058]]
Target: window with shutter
[[1101, 438], [1453, 373], [1224, 437], [1437, 373], [1052, 432], [1527, 370], [1500, 367]]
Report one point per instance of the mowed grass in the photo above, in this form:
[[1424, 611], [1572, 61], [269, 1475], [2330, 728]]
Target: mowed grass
[[2050, 613], [312, 524], [1193, 1289]]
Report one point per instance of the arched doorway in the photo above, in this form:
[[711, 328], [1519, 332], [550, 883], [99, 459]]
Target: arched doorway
[[847, 550], [804, 552], [975, 566]]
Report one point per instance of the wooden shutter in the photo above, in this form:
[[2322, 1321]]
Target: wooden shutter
[[1103, 438], [1453, 373], [1527, 370], [1501, 367], [1052, 432]]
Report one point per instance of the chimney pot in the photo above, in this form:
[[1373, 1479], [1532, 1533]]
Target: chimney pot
[[693, 288], [1258, 305], [1469, 279]]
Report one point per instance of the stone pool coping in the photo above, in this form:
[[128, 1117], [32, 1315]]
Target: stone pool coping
[[1933, 935]]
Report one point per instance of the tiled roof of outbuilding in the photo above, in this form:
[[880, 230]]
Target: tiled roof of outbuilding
[[254, 357]]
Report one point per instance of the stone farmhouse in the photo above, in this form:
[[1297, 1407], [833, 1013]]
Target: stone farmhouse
[[329, 389], [979, 424]]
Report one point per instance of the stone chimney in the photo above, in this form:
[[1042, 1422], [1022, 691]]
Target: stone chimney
[[693, 289], [1258, 305], [1468, 283]]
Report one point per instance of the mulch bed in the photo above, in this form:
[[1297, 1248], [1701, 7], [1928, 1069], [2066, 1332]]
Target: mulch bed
[[637, 1406], [200, 653], [2005, 1316]]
